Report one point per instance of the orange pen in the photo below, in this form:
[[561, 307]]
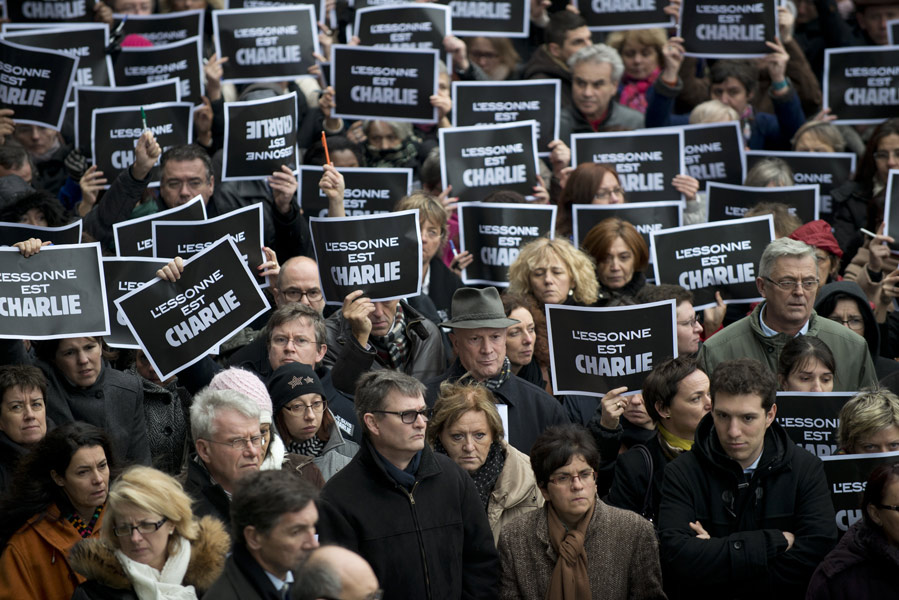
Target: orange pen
[[325, 144]]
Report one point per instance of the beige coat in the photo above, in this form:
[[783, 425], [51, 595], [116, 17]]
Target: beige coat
[[515, 492]]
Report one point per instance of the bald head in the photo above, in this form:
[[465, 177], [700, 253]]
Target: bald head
[[331, 566], [298, 279]]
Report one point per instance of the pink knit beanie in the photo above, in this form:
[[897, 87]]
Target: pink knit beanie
[[248, 384]]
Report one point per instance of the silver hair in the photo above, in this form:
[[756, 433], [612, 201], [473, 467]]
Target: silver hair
[[783, 248], [770, 171], [207, 404], [598, 53], [402, 129]]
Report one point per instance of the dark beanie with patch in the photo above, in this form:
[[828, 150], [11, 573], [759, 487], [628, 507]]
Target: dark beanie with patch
[[291, 381]]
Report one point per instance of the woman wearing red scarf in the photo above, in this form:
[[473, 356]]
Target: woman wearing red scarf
[[641, 52]]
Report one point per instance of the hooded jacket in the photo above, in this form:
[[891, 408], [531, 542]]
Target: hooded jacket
[[745, 516], [107, 580], [827, 301]]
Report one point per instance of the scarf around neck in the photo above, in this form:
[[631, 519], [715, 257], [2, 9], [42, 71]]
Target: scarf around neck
[[569, 579], [150, 584], [675, 442], [485, 476], [633, 91]]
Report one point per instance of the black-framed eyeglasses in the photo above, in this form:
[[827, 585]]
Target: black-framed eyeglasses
[[296, 295], [855, 323], [788, 285], [689, 322], [242, 443], [888, 507], [409, 416], [563, 479], [605, 194], [144, 527]]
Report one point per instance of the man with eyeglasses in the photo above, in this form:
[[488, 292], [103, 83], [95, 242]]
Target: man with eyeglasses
[[788, 281], [335, 573], [413, 514], [228, 441]]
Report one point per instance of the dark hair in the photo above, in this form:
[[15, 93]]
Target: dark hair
[[507, 196], [799, 351], [429, 172], [372, 388], [660, 386], [744, 376], [560, 23], [878, 481], [512, 301], [743, 72], [581, 187], [22, 376], [14, 156], [187, 152], [868, 167], [46, 349], [293, 311], [315, 155], [557, 445], [42, 200], [601, 237], [261, 497], [33, 490], [664, 291]]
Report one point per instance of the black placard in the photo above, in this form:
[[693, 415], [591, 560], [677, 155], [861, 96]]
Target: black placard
[[36, 83], [715, 152], [319, 6], [733, 201], [136, 65], [847, 475], [491, 18], [827, 170], [48, 11], [893, 32], [56, 293], [384, 83], [87, 99], [646, 161], [861, 85], [178, 323], [710, 257], [645, 216], [165, 28], [115, 132], [368, 191], [594, 350], [494, 233], [891, 204], [260, 136], [613, 15], [727, 29], [812, 419], [12, 233], [478, 103], [403, 26], [135, 237], [360, 4], [477, 161], [123, 275], [266, 44], [379, 254]]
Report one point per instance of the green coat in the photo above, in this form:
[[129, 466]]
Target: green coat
[[854, 368]]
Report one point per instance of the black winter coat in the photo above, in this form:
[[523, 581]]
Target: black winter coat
[[747, 554], [433, 543], [631, 481], [210, 499]]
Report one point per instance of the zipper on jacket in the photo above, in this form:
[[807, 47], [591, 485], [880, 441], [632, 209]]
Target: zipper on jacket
[[421, 543]]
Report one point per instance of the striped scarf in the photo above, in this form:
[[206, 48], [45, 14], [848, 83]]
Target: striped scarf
[[393, 348]]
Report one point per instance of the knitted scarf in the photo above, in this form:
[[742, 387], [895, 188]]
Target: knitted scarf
[[311, 447], [486, 475], [393, 348], [633, 91], [494, 383]]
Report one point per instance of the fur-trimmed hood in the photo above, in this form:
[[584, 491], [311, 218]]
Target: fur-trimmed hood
[[97, 561]]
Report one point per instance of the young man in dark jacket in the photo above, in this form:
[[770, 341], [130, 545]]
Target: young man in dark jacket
[[745, 513]]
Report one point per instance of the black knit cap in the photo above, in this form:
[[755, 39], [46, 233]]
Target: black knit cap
[[291, 381]]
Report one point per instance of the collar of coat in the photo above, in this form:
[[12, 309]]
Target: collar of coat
[[427, 468]]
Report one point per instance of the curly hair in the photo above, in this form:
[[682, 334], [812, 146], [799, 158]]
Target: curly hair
[[581, 268]]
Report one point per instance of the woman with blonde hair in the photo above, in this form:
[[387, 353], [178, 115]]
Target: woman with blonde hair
[[467, 427], [150, 545], [869, 423], [641, 53], [553, 272], [496, 56]]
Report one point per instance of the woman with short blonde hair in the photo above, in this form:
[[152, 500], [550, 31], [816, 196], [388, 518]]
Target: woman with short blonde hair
[[534, 260]]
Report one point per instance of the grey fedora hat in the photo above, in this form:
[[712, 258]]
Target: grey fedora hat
[[473, 308]]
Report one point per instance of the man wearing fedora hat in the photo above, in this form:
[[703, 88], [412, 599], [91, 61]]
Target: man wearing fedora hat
[[479, 339]]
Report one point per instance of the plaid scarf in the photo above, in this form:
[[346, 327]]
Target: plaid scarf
[[502, 377], [393, 348]]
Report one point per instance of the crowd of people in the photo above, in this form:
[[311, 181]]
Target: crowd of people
[[414, 448]]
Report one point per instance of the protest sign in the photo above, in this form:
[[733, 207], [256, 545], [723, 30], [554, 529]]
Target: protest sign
[[360, 4], [727, 29], [861, 85], [260, 136], [477, 161], [812, 419], [394, 84], [727, 201], [87, 41], [90, 98], [187, 238], [715, 152], [266, 44], [123, 275], [646, 161], [56, 293], [893, 32], [13, 233], [478, 103], [36, 83], [49, 11], [403, 26], [891, 205], [494, 233], [644, 216], [319, 6], [163, 28], [491, 18], [115, 132], [135, 236], [613, 15], [847, 475], [594, 350], [827, 170], [726, 259], [184, 60], [368, 191], [178, 323], [378, 254]]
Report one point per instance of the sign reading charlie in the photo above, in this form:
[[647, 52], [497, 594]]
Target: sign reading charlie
[[57, 293], [594, 350], [611, 15], [722, 256], [646, 217], [146, 64], [46, 11], [178, 323], [715, 152], [861, 85], [260, 136], [733, 201], [123, 275], [846, 477], [379, 254], [827, 170], [415, 25], [164, 28], [368, 190], [811, 419], [135, 236], [12, 233], [719, 29], [35, 83]]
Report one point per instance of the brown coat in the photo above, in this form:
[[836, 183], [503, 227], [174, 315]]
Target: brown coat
[[35, 564], [515, 492], [622, 556]]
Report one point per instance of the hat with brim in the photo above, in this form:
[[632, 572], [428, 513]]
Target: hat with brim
[[473, 308]]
